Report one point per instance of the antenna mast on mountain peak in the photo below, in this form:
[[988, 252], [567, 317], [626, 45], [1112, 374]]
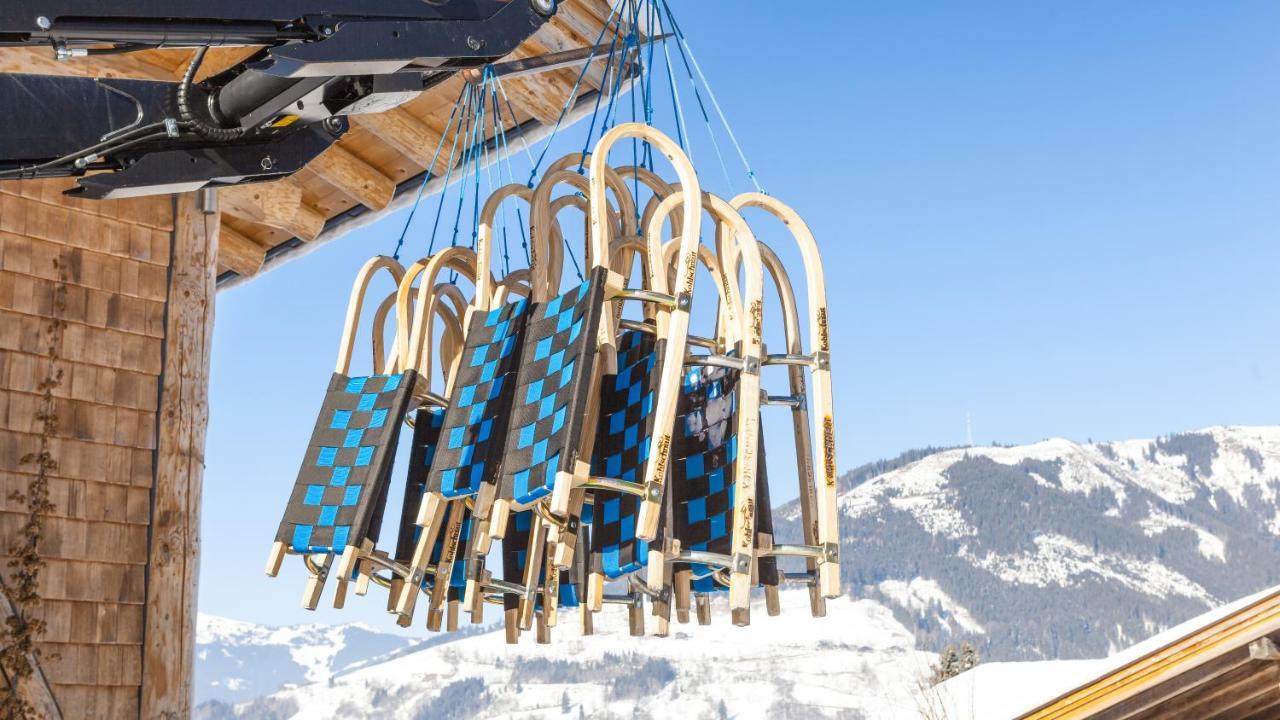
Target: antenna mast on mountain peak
[[968, 430]]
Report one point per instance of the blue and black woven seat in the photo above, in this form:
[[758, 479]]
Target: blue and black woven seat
[[705, 455], [621, 451], [341, 490], [550, 392], [474, 427], [446, 550], [338, 498]]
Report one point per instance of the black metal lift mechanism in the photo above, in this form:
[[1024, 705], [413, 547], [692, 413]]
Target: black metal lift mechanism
[[321, 60]]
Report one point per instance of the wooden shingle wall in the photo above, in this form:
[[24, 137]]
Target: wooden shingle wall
[[114, 257]]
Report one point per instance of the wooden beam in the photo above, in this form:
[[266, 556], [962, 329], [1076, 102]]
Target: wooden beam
[[1223, 670], [35, 689], [277, 204], [1202, 699], [354, 177], [571, 30], [538, 96], [407, 134], [173, 564], [239, 253]]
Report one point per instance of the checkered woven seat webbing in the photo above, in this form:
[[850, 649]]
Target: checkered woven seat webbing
[[767, 566], [704, 451], [621, 450], [426, 435], [341, 489], [475, 425], [515, 553], [551, 390]]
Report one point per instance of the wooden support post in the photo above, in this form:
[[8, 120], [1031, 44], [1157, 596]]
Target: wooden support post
[[173, 558]]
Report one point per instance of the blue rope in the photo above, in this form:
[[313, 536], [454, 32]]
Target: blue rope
[[573, 94], [428, 174], [506, 151], [435, 226], [675, 94], [680, 37], [466, 161], [617, 81], [609, 72], [706, 118]]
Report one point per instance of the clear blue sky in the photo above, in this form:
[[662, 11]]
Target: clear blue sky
[[1060, 218]]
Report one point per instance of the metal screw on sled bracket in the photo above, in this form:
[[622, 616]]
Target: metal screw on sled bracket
[[43, 23], [683, 301], [741, 563], [654, 492], [831, 552], [822, 359]]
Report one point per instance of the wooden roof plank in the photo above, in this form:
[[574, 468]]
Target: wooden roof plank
[[1259, 618], [1246, 706], [407, 134], [277, 204], [357, 179]]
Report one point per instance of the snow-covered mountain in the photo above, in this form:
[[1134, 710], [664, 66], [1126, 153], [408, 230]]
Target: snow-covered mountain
[[1051, 550], [855, 663], [237, 660], [1061, 549]]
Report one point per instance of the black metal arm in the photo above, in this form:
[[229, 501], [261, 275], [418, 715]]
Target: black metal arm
[[264, 118]]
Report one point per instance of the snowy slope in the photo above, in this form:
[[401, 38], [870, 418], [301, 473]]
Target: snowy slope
[[1061, 549], [237, 660], [857, 662]]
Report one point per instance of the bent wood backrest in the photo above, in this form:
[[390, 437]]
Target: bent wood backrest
[[828, 533], [675, 320], [794, 344], [694, 520], [337, 498]]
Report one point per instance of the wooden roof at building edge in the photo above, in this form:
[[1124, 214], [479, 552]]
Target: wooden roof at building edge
[[378, 166], [1224, 665]]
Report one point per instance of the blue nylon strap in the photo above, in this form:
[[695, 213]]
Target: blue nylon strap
[[429, 173], [449, 171], [684, 45], [573, 94]]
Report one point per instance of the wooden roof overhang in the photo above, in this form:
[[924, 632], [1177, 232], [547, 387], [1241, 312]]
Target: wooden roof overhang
[[1227, 669], [378, 166]]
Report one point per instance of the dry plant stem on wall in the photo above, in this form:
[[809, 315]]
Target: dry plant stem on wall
[[18, 651]]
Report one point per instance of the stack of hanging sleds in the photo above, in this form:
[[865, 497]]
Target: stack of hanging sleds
[[570, 449]]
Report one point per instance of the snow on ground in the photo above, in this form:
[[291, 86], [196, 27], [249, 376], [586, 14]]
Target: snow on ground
[[857, 658]]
